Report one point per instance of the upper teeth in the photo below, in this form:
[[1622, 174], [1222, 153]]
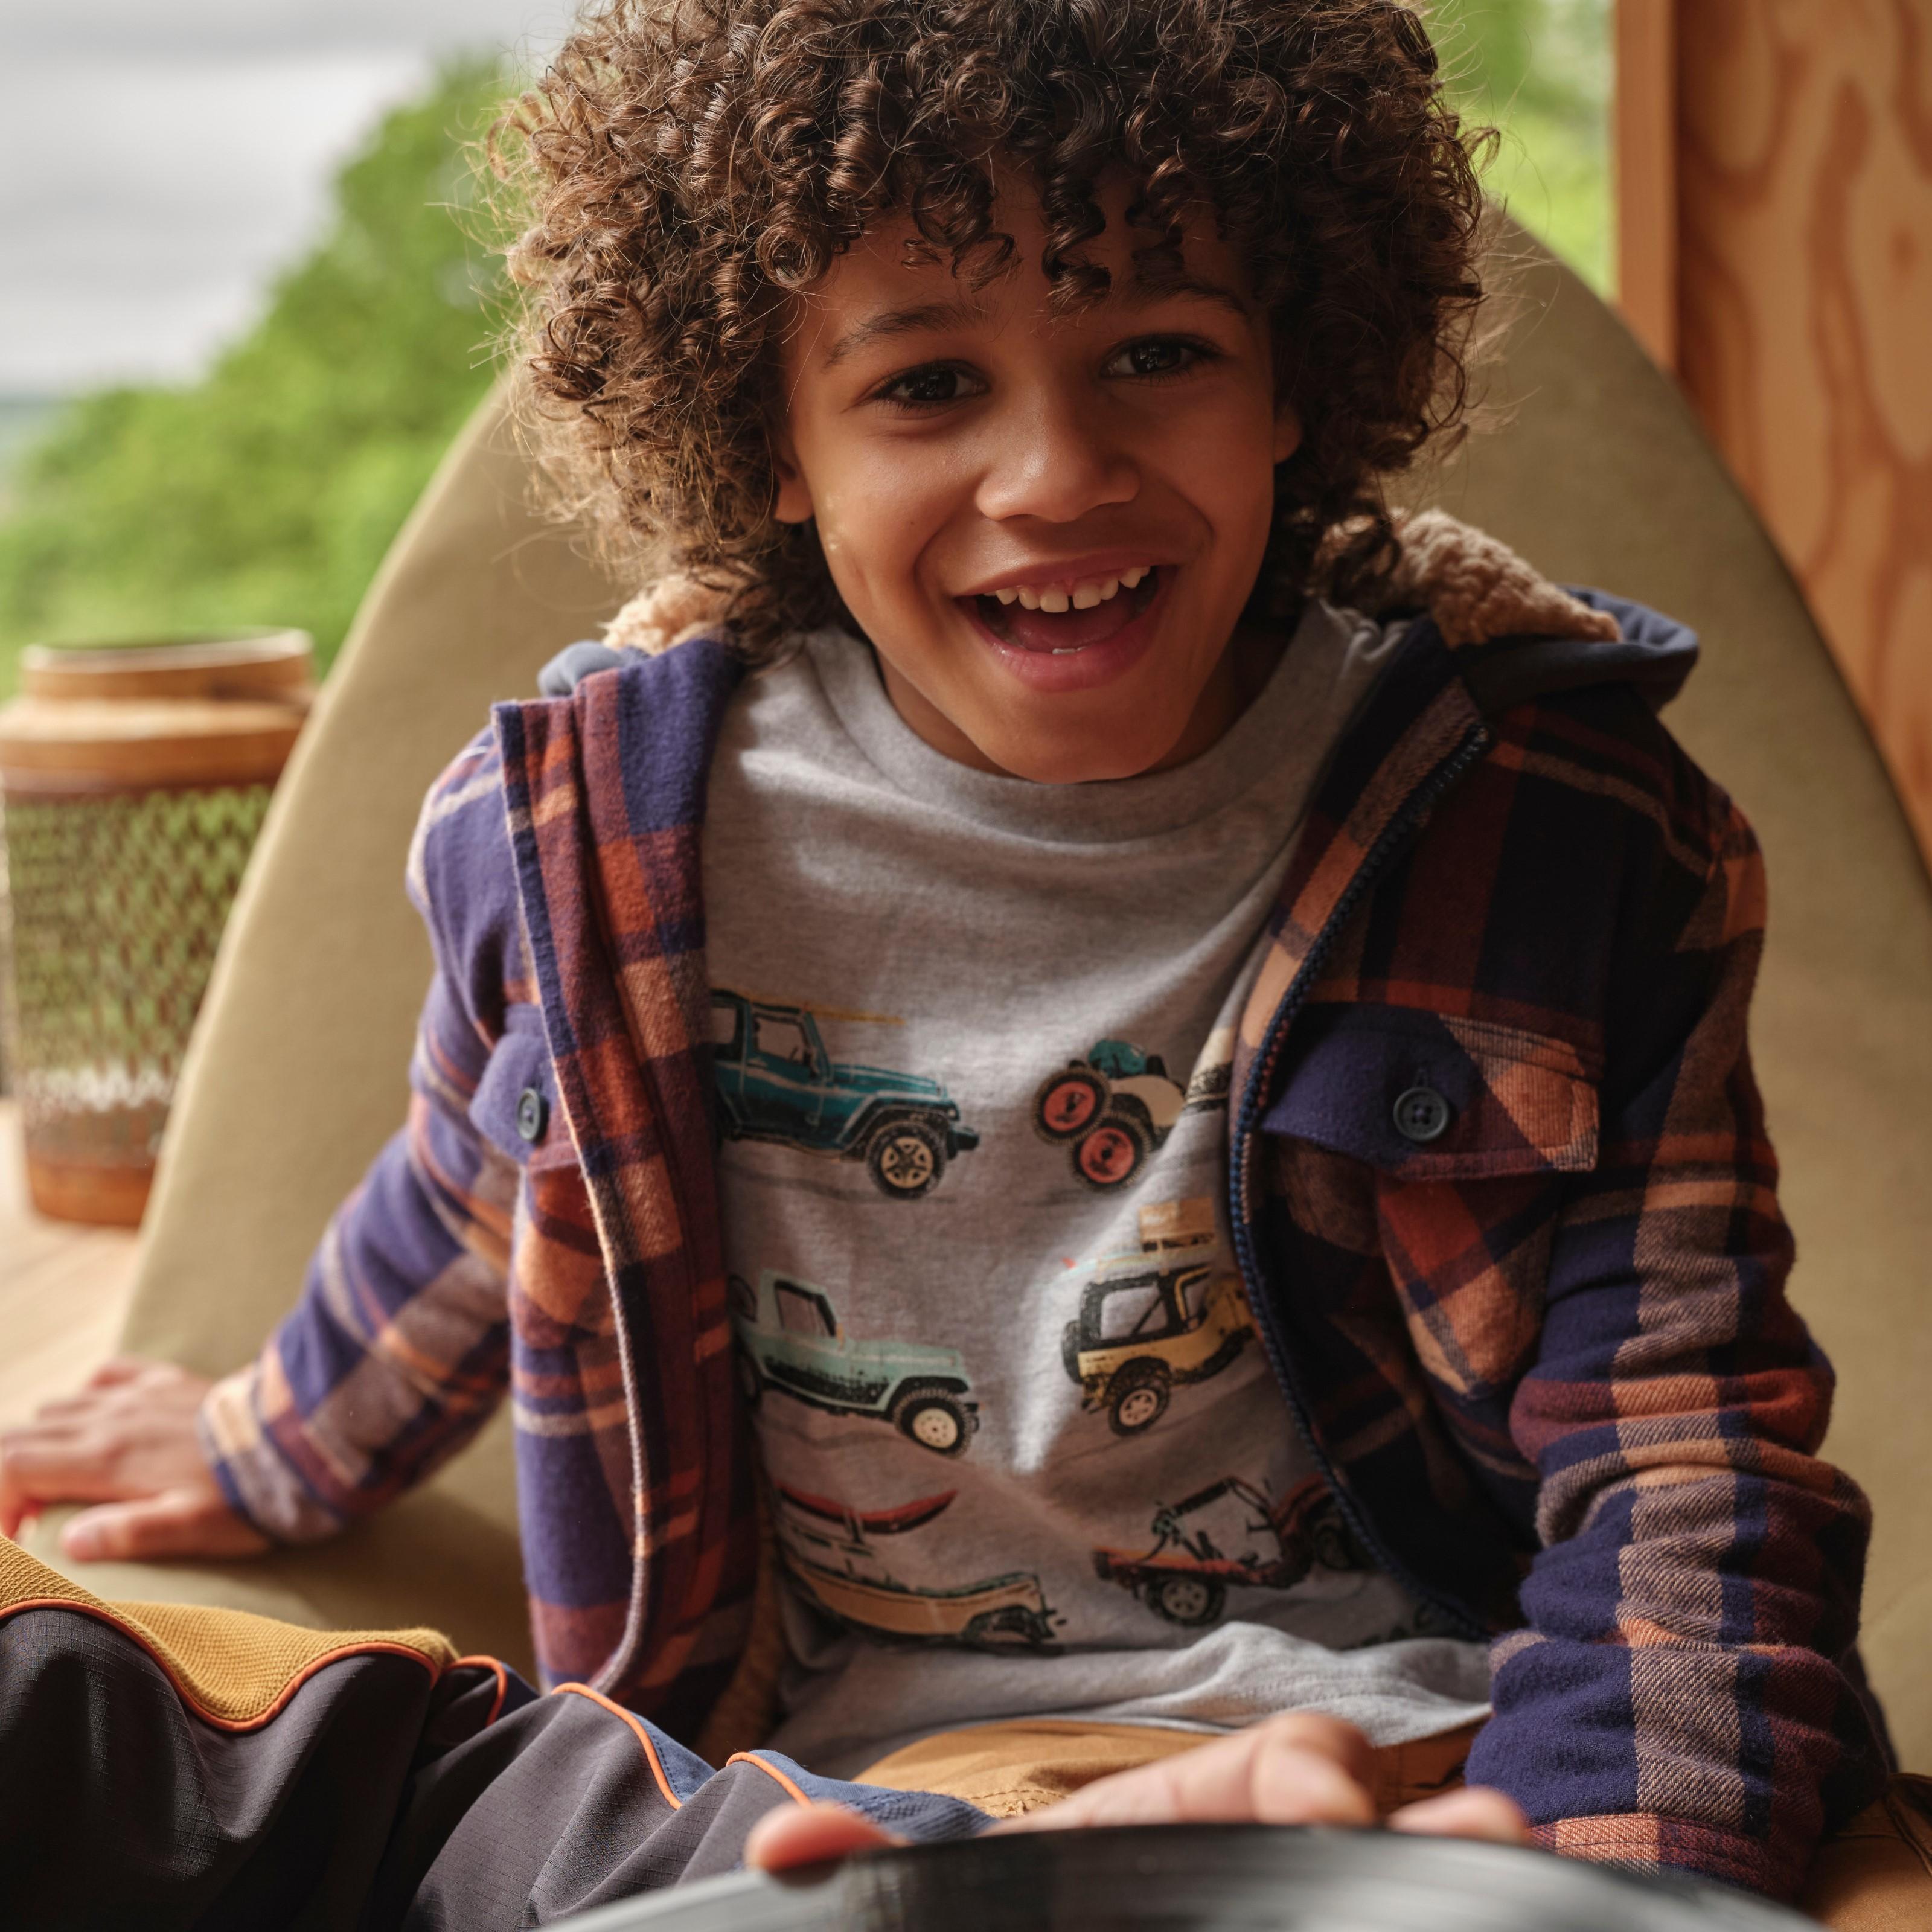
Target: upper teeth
[[1082, 596]]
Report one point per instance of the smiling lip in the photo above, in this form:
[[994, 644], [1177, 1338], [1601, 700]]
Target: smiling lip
[[1082, 670]]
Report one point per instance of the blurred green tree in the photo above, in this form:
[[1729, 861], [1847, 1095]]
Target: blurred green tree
[[268, 491], [1540, 72]]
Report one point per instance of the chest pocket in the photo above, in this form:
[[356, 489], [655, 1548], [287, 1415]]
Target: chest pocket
[[1432, 1096], [514, 1108]]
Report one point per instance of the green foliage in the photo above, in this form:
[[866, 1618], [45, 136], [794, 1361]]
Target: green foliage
[[267, 492], [1540, 72]]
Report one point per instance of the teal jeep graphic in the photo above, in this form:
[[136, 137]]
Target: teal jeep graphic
[[777, 1082], [789, 1340]]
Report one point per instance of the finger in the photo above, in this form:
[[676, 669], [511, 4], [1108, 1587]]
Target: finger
[[1298, 1769], [177, 1522], [809, 1835], [56, 1465], [42, 1430], [68, 1408], [1475, 1813], [117, 1369], [18, 1506]]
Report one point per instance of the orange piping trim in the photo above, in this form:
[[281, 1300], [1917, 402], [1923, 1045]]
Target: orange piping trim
[[187, 1697], [771, 1771], [503, 1682], [671, 1798]]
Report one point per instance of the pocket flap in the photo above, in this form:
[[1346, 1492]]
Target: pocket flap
[[1435, 1097], [519, 1065]]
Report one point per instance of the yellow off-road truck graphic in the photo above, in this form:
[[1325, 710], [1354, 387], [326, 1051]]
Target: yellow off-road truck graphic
[[828, 1551], [1152, 1320]]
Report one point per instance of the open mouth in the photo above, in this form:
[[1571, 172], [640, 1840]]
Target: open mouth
[[1064, 620]]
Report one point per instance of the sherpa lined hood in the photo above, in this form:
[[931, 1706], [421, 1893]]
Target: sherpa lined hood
[[1515, 634]]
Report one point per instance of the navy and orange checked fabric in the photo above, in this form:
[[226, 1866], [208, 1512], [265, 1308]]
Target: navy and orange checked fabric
[[1544, 1356]]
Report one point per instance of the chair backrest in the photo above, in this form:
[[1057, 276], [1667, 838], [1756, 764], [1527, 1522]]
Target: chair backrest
[[1598, 474], [296, 1073]]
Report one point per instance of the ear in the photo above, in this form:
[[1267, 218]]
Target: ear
[[793, 502], [1287, 432]]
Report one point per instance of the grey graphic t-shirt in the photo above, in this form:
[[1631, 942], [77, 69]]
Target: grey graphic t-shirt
[[1025, 1452]]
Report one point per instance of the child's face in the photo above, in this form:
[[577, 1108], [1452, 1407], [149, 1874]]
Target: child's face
[[968, 456]]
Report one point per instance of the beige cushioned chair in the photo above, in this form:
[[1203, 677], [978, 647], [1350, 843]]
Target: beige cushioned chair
[[1598, 473]]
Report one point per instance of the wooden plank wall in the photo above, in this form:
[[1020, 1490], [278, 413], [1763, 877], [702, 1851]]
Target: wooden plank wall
[[1801, 288]]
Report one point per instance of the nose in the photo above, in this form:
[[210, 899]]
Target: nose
[[1057, 457]]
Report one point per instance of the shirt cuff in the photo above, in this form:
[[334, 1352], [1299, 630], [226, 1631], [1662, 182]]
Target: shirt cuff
[[1651, 1842], [259, 1482]]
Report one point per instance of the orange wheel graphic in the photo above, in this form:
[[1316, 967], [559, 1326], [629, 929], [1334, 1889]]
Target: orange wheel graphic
[[1109, 1155], [1068, 1103]]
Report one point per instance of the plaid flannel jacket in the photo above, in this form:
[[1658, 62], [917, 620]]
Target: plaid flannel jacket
[[1545, 1359]]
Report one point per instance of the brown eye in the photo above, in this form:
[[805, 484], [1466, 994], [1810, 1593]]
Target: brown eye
[[1158, 356], [936, 383]]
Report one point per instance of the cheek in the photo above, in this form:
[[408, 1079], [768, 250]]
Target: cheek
[[878, 520], [1229, 466]]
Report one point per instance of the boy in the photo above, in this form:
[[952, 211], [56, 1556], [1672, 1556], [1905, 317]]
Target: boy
[[1188, 1151]]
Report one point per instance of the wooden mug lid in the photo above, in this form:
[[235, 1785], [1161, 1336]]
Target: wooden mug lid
[[193, 711], [268, 666]]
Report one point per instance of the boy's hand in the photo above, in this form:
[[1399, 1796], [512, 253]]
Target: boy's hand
[[126, 1442], [1301, 1768]]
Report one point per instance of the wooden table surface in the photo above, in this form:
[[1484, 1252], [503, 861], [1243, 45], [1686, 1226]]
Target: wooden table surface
[[63, 1290]]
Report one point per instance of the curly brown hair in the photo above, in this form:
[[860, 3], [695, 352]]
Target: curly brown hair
[[684, 165]]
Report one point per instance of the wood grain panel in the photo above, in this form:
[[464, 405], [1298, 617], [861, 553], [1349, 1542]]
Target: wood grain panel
[[1645, 122], [1804, 181]]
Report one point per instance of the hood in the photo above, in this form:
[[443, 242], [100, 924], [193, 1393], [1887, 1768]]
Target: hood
[[881, 1080], [903, 1355], [1517, 635], [1651, 653]]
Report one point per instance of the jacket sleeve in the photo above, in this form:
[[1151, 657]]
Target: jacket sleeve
[[1682, 1694], [397, 1351]]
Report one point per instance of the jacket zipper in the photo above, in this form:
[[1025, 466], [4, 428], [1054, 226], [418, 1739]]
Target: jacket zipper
[[1414, 809]]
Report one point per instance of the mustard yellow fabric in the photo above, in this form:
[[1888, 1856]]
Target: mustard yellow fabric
[[1023, 1764], [233, 1667]]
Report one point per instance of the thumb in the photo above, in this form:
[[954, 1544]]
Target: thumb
[[1474, 1811], [811, 1834], [177, 1522]]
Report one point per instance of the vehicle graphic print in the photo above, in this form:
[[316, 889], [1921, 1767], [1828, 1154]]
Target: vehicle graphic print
[[1186, 1577], [789, 1339], [776, 1081], [1114, 1106], [827, 1549], [1156, 1319]]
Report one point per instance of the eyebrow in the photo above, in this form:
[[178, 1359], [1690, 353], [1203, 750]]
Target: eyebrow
[[934, 318], [920, 319]]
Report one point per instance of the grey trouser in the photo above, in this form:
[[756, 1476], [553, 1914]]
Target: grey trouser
[[165, 1767]]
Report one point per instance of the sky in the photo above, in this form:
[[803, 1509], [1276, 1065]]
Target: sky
[[159, 159]]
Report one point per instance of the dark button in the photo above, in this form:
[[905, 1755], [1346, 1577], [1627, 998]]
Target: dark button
[[532, 1114], [1422, 1114]]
